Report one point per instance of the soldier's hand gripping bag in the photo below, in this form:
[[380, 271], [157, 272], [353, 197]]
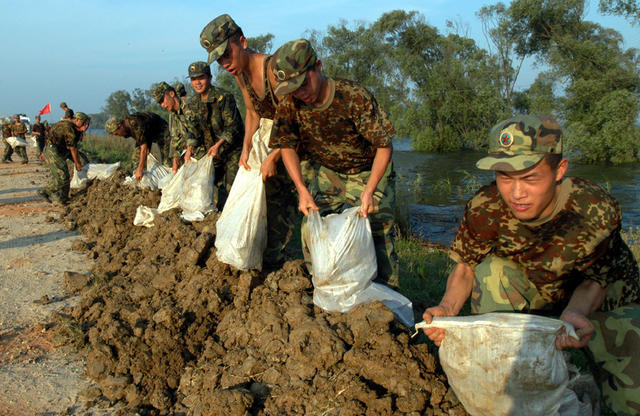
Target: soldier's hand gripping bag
[[506, 364]]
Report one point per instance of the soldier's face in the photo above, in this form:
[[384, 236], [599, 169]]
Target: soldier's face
[[201, 84], [233, 60], [169, 102], [311, 90], [531, 193]]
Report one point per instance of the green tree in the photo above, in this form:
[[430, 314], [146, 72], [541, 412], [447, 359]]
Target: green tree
[[118, 104], [626, 8]]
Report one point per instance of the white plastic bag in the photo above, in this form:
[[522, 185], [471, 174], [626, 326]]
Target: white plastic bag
[[191, 189], [154, 177], [344, 264], [505, 363], [145, 216], [92, 171], [16, 142], [242, 227]]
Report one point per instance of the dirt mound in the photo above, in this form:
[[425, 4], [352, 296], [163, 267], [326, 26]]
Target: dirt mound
[[173, 331]]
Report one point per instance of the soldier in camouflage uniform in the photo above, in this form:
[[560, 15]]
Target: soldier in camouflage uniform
[[226, 44], [19, 129], [68, 113], [62, 145], [38, 130], [536, 242], [339, 128], [8, 150], [221, 125], [183, 123], [146, 128]]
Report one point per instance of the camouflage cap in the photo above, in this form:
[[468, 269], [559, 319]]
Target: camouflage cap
[[63, 104], [112, 124], [290, 63], [16, 117], [215, 35], [520, 142], [180, 89], [82, 116], [160, 90], [198, 69]]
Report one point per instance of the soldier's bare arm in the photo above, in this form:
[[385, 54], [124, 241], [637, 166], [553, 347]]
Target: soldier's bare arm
[[251, 124], [586, 298], [75, 157], [380, 163], [292, 163]]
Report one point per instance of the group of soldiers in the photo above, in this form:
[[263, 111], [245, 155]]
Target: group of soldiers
[[533, 241]]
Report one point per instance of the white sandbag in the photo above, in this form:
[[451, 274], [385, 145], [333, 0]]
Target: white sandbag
[[145, 216], [153, 177], [32, 140], [191, 189], [505, 363], [16, 142], [90, 171], [242, 227], [344, 264]]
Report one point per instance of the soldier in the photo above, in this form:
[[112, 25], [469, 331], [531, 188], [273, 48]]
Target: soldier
[[183, 125], [345, 136], [19, 129], [226, 44], [62, 144], [38, 130], [180, 89], [8, 150], [68, 113], [221, 125], [534, 242], [146, 128]]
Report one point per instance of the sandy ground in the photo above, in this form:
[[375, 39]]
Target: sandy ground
[[36, 378]]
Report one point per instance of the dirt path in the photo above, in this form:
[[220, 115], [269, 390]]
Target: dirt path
[[35, 251]]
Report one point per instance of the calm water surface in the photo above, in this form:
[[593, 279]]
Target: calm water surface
[[436, 188]]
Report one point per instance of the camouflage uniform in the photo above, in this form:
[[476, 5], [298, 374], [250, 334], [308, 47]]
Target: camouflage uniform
[[62, 135], [534, 266], [282, 212], [19, 129], [218, 118], [41, 137], [340, 141], [149, 128], [8, 150]]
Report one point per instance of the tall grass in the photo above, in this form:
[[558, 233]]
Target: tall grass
[[107, 148]]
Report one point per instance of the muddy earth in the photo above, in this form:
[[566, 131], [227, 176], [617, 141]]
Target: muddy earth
[[167, 329]]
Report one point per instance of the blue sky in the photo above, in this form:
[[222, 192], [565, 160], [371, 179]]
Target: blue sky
[[80, 51]]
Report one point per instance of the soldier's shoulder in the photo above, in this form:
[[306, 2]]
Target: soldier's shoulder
[[593, 201]]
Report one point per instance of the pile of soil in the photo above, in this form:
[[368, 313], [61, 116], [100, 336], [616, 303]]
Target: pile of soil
[[170, 330]]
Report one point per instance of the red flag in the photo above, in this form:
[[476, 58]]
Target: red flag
[[45, 110]]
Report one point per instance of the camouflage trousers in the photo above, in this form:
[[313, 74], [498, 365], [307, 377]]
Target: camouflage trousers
[[8, 150], [500, 285], [282, 214], [59, 180], [225, 171], [333, 192]]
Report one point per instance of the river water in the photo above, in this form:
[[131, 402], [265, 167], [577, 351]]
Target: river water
[[436, 187]]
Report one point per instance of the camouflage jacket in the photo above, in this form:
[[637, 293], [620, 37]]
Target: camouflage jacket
[[146, 127], [218, 118], [342, 135], [18, 129], [63, 135], [6, 130], [579, 240], [183, 128], [68, 113]]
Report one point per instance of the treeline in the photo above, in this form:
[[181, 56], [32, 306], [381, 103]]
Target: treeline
[[444, 92]]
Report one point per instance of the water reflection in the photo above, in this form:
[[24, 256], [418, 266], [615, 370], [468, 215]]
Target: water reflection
[[436, 188]]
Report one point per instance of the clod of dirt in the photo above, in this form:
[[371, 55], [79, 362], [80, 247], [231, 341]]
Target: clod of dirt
[[171, 330]]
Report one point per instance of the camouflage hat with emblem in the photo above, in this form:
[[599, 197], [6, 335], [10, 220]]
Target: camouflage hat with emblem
[[215, 35], [160, 90], [180, 89], [82, 116], [63, 104], [198, 69], [521, 142], [113, 124], [290, 64]]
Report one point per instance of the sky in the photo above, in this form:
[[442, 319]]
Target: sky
[[80, 51]]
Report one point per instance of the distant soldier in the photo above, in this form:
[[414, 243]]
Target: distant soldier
[[181, 90], [62, 145], [145, 128], [39, 131], [68, 113], [8, 150], [19, 130], [222, 128], [182, 128]]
